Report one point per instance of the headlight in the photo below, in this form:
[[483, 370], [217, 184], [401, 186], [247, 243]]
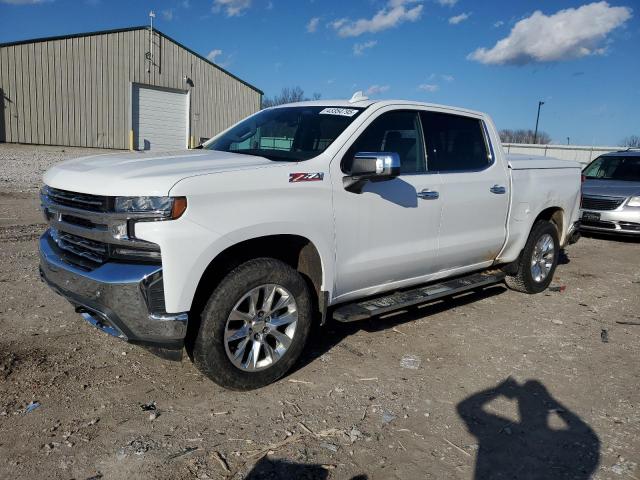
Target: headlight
[[158, 208], [634, 202]]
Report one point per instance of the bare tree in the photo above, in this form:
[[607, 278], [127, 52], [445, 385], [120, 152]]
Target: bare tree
[[288, 95], [632, 141], [524, 136]]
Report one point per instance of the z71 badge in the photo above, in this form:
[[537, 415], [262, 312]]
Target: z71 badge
[[306, 177]]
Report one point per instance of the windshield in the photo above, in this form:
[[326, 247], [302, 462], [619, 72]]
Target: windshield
[[614, 168], [287, 133]]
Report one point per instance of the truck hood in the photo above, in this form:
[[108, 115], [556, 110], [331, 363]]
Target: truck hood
[[610, 188], [529, 162], [144, 173]]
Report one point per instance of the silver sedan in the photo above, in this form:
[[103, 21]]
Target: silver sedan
[[611, 194]]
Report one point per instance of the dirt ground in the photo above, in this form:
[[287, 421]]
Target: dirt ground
[[494, 384]]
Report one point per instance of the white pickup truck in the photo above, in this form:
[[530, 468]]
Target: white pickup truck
[[347, 209]]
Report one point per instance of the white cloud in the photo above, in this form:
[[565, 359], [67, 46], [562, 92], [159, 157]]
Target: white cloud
[[376, 89], [312, 26], [232, 8], [565, 35], [213, 54], [499, 23], [448, 78], [459, 18], [428, 87], [447, 3], [185, 4], [167, 14], [269, 6], [359, 48], [393, 14]]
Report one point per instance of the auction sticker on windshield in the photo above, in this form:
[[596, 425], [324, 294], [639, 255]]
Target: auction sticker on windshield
[[345, 112]]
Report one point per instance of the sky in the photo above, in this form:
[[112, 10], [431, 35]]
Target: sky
[[498, 56]]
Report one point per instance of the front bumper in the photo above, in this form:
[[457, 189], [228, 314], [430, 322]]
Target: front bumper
[[115, 297], [622, 221]]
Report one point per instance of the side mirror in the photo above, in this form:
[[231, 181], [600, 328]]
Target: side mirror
[[371, 166]]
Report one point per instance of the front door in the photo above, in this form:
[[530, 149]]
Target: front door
[[388, 234]]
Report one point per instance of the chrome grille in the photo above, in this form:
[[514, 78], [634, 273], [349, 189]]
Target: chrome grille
[[601, 203], [82, 201], [96, 252]]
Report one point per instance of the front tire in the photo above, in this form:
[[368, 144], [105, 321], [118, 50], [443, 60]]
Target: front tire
[[539, 259], [254, 326]]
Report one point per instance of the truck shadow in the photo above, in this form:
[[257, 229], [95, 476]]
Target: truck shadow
[[529, 448], [323, 339], [275, 469]]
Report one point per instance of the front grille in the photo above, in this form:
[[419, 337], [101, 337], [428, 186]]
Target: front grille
[[601, 203], [82, 201], [629, 226], [598, 224], [96, 252]]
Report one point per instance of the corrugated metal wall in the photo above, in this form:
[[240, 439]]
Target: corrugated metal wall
[[76, 91], [579, 153]]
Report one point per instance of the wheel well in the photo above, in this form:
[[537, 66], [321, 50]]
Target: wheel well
[[554, 215], [296, 251]]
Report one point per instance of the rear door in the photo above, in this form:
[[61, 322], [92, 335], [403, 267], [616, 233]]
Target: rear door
[[474, 189]]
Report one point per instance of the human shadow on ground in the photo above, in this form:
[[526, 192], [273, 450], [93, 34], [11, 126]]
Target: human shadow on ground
[[275, 469], [529, 449]]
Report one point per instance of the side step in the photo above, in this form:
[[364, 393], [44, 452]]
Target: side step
[[398, 300]]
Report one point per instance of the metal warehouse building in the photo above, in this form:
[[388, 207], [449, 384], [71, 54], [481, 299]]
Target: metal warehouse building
[[132, 88]]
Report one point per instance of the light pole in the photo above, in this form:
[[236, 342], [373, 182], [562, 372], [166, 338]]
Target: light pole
[[535, 134]]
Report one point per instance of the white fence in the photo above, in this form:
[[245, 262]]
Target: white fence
[[582, 154]]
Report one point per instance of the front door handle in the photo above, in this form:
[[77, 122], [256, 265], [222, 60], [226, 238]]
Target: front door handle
[[428, 195], [498, 189]]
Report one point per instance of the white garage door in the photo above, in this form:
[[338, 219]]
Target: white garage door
[[160, 118]]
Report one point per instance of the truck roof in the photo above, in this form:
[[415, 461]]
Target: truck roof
[[368, 102]]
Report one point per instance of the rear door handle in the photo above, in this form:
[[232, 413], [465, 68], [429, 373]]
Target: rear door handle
[[498, 189], [428, 195]]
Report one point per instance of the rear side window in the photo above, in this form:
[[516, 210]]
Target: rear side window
[[398, 132], [454, 143]]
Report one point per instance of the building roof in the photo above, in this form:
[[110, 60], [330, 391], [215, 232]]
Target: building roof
[[129, 29]]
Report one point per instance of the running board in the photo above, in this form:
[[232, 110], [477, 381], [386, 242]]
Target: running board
[[396, 301]]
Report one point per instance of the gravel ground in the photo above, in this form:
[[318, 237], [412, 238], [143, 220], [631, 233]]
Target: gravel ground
[[493, 384], [21, 166]]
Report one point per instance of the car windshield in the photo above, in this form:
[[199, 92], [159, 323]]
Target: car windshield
[[287, 133], [614, 168]]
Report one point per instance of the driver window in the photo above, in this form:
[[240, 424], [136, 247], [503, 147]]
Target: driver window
[[397, 132]]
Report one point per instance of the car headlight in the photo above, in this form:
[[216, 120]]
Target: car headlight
[[154, 208], [634, 202]]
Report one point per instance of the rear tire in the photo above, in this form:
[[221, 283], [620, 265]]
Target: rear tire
[[238, 321], [538, 261]]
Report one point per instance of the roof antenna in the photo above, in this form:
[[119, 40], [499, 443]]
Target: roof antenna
[[358, 97], [152, 15]]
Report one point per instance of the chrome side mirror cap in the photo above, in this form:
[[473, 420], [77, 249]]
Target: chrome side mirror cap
[[371, 166], [375, 164]]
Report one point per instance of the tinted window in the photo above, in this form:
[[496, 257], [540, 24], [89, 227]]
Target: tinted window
[[614, 168], [454, 143], [287, 133], [397, 132]]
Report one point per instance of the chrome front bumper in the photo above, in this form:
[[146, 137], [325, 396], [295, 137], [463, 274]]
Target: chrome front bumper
[[622, 221], [114, 297]]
